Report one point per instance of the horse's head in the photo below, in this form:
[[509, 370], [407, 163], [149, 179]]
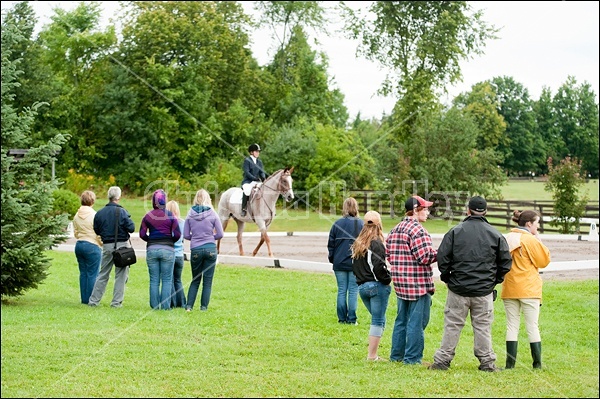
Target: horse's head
[[285, 184]]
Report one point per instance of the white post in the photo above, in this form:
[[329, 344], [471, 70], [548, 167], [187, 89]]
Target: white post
[[593, 236]]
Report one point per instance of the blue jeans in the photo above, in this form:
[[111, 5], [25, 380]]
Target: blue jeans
[[375, 296], [178, 299], [408, 337], [88, 257], [347, 296], [204, 261], [160, 267]]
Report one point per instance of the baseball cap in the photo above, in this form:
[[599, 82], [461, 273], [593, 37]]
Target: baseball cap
[[372, 217], [477, 204], [416, 201]]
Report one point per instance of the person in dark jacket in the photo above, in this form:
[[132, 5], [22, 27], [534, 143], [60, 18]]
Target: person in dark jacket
[[472, 259], [254, 173], [104, 226], [373, 277], [160, 229], [341, 237]]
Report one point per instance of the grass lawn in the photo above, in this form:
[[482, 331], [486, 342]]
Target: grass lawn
[[534, 190], [269, 333]]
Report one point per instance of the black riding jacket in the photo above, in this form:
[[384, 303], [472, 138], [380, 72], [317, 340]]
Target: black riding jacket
[[473, 257]]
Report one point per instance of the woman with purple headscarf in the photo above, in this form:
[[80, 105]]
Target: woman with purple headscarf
[[160, 229]]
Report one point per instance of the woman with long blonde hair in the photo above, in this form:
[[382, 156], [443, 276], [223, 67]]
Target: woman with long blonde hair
[[372, 276], [202, 228]]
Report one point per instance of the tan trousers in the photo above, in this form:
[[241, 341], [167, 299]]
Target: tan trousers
[[531, 313]]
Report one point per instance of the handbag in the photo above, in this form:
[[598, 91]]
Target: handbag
[[124, 256]]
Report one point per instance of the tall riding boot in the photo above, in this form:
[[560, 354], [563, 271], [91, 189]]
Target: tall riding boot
[[511, 354], [536, 354], [244, 204]]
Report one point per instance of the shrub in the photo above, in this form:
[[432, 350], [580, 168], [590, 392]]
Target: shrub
[[65, 201], [564, 181]]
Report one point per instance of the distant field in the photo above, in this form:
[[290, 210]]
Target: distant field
[[530, 190]]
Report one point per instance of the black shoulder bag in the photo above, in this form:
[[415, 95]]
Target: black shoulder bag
[[124, 256]]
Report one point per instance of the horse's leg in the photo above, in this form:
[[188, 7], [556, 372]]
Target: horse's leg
[[268, 242], [264, 238], [260, 243], [240, 230]]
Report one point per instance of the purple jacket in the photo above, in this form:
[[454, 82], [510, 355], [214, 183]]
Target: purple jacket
[[202, 226]]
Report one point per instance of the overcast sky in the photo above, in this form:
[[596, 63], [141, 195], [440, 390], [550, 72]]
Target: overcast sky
[[540, 44]]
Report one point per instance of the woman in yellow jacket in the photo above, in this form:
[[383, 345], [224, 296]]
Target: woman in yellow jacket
[[522, 286]]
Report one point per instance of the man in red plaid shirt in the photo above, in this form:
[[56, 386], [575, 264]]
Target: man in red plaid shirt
[[410, 252]]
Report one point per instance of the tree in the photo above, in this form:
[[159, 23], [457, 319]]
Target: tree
[[302, 88], [564, 181], [443, 152], [577, 122], [28, 225], [422, 42], [547, 127], [523, 149], [482, 104]]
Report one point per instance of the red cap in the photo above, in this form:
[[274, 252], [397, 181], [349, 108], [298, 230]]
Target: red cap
[[416, 201]]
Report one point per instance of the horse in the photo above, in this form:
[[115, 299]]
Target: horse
[[261, 207]]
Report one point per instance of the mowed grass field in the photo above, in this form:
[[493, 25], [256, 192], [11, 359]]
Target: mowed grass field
[[271, 333]]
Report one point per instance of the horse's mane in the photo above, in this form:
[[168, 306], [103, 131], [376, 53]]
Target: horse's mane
[[272, 176]]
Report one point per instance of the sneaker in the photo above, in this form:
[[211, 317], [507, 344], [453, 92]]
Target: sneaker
[[490, 368], [94, 305], [118, 305], [437, 366]]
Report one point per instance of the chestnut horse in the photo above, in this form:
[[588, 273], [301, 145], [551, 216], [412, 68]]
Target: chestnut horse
[[261, 206]]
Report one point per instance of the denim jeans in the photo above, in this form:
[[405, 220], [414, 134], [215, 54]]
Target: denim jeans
[[408, 337], [375, 296], [347, 296], [178, 299], [88, 257], [160, 267], [204, 261]]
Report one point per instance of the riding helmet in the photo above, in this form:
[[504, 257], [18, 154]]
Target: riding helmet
[[253, 147]]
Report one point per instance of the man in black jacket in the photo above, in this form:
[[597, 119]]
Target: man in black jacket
[[472, 258], [106, 219]]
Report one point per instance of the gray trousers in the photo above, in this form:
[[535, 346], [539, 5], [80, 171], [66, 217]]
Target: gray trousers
[[121, 275], [455, 314]]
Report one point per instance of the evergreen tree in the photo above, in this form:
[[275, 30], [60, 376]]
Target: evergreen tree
[[29, 227]]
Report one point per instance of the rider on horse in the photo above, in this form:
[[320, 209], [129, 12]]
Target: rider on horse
[[254, 172]]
